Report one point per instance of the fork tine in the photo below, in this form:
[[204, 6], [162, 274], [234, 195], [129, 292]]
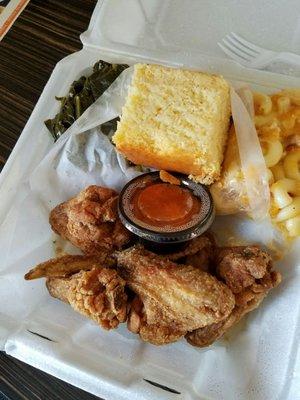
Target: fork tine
[[241, 47], [244, 42], [236, 50], [232, 54]]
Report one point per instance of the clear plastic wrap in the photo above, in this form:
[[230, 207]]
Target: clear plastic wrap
[[243, 186]]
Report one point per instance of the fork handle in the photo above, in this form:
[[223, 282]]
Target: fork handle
[[289, 58]]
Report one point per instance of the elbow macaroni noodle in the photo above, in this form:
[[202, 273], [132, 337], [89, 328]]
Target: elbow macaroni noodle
[[277, 120], [283, 104], [293, 226], [282, 191], [291, 165], [278, 171], [273, 153], [290, 211]]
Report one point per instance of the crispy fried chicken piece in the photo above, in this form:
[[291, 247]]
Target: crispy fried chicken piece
[[193, 247], [67, 265], [208, 334], [248, 273], [240, 266], [156, 333], [83, 282], [176, 298], [90, 221], [204, 258], [199, 252], [97, 294]]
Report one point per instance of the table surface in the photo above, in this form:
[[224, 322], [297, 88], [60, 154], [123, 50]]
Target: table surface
[[45, 32]]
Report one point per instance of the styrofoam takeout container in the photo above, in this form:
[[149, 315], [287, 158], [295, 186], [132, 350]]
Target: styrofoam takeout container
[[262, 360]]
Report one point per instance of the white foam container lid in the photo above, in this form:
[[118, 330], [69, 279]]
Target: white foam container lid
[[115, 364], [187, 32]]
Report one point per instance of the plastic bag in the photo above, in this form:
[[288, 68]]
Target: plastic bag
[[243, 186]]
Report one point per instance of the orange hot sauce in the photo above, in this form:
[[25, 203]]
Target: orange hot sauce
[[162, 204]]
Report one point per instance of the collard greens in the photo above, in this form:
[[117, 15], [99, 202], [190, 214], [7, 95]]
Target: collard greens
[[83, 92]]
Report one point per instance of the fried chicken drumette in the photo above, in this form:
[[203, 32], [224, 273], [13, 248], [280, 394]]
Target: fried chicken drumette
[[172, 299], [90, 221], [91, 289], [247, 271]]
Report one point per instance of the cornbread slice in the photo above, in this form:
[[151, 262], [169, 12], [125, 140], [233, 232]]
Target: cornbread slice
[[175, 120]]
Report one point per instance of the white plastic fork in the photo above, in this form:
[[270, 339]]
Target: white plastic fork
[[253, 56]]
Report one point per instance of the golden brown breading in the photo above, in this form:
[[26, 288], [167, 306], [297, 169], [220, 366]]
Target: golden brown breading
[[208, 334], [90, 288], [199, 253], [156, 333], [68, 265], [58, 288], [205, 241], [240, 266], [98, 294], [247, 271], [175, 296], [90, 221]]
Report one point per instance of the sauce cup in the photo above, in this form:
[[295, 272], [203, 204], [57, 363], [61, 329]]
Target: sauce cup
[[165, 213]]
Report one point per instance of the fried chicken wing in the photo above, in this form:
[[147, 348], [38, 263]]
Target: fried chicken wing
[[91, 289], [247, 271], [90, 221], [176, 298], [67, 265]]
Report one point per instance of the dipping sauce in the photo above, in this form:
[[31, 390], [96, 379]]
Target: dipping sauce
[[163, 212], [164, 204]]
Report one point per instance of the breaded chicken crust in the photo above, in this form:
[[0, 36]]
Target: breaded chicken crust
[[90, 221]]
